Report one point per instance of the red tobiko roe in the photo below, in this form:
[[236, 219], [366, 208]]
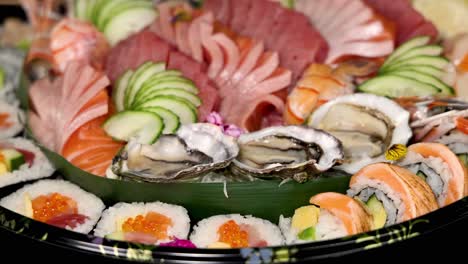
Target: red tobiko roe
[[180, 243]]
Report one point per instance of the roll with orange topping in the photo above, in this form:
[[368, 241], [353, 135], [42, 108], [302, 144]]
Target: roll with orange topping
[[235, 231], [148, 223], [58, 203]]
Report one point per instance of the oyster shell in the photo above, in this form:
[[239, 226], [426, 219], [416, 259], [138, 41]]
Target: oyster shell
[[196, 149], [287, 152], [366, 124]]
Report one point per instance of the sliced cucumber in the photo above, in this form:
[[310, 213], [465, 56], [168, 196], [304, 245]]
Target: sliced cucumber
[[186, 112], [428, 79], [166, 74], [426, 69], [171, 120], [434, 61], [429, 50], [192, 98], [143, 73], [118, 94], [407, 46], [128, 21], [422, 175], [144, 126], [99, 4], [397, 86], [81, 9], [104, 12], [90, 9], [154, 85]]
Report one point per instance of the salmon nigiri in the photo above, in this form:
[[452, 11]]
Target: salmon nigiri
[[331, 215]]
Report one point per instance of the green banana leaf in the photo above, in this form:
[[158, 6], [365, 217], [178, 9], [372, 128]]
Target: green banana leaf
[[265, 199]]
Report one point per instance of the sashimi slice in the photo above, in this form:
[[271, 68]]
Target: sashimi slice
[[409, 22], [181, 32], [73, 39], [277, 81], [214, 52], [194, 37], [126, 54], [351, 28], [231, 58], [266, 66]]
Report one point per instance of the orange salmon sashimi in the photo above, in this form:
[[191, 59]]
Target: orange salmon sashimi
[[409, 196], [91, 149], [451, 180], [350, 211], [4, 122]]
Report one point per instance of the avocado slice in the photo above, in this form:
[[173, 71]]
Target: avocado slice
[[464, 159], [378, 212], [307, 234], [2, 78], [422, 175], [13, 159]]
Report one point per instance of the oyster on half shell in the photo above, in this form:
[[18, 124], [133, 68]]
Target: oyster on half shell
[[196, 149], [286, 152], [366, 124]]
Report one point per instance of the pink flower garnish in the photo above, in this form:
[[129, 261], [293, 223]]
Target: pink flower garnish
[[228, 129]]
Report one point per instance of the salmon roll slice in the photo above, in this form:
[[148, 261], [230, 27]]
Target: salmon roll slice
[[440, 168], [393, 194], [21, 160], [330, 215], [11, 120], [152, 223], [235, 231], [58, 203]]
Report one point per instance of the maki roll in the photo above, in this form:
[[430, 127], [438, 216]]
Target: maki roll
[[440, 168], [21, 160], [11, 120], [330, 215], [235, 231], [58, 203], [148, 223], [393, 194]]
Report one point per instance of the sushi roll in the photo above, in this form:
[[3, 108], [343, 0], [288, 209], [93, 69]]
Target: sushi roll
[[330, 215], [235, 231], [21, 160], [58, 203], [440, 168], [148, 223], [11, 120], [11, 65], [393, 194]]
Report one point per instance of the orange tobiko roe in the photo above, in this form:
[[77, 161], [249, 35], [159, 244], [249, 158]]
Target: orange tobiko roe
[[231, 233], [153, 224], [46, 207]]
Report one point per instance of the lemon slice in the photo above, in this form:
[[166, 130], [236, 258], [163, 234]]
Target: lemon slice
[[449, 16]]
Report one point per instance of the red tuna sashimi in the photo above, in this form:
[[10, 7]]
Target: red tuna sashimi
[[67, 220], [126, 54], [240, 8], [408, 21], [77, 40], [351, 28]]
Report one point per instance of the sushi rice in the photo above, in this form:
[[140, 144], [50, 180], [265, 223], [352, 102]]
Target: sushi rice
[[328, 227], [437, 172], [88, 204], [15, 117], [41, 167], [113, 218], [205, 233], [455, 141]]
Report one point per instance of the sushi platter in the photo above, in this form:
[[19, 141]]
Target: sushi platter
[[233, 131]]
